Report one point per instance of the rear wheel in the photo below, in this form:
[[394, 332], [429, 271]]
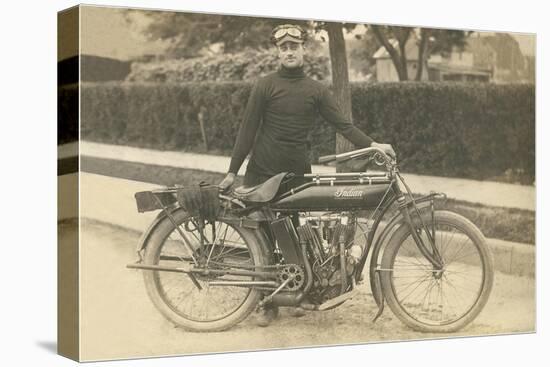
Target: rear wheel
[[176, 295], [438, 300]]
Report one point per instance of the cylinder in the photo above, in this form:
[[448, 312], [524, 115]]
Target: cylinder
[[287, 239]]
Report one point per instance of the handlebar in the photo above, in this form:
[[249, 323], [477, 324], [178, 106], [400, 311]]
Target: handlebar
[[359, 153], [327, 158]]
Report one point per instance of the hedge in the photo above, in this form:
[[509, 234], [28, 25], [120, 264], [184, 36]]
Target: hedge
[[468, 130], [461, 130]]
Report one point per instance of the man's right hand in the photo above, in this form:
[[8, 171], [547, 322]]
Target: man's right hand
[[227, 182]]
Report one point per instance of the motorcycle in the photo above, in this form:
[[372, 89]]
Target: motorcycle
[[305, 241]]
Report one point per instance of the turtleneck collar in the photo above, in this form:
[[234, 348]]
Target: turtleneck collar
[[291, 73]]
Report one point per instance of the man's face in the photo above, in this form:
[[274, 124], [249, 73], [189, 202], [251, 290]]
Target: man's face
[[291, 54]]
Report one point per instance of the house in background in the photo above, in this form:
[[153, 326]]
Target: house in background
[[472, 64], [487, 57]]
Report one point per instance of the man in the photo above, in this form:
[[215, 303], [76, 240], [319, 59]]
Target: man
[[281, 110], [280, 115]]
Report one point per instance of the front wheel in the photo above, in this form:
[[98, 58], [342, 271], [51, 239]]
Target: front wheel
[[438, 300], [190, 301]]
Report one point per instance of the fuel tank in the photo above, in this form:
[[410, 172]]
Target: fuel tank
[[334, 197]]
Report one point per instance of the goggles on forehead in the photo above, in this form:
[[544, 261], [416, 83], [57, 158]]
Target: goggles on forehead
[[283, 31]]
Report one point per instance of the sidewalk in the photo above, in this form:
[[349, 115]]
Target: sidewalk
[[474, 191], [111, 200]]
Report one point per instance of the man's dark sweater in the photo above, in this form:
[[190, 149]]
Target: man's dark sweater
[[283, 106]]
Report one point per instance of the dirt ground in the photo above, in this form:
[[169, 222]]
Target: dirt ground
[[119, 321]]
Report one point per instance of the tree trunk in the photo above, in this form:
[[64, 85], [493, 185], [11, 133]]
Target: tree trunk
[[340, 80], [402, 35], [396, 58], [422, 52], [403, 59]]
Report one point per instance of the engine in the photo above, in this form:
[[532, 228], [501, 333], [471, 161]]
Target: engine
[[333, 250]]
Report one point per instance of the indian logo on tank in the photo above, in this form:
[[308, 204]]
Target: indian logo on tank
[[348, 194]]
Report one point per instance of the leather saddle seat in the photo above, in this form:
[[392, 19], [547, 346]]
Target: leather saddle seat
[[263, 192]]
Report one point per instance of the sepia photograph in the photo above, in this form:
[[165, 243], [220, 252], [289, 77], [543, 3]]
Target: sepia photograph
[[244, 183]]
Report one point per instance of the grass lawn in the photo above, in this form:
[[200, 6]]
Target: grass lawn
[[516, 225]]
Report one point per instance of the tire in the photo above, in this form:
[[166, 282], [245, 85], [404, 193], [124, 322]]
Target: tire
[[214, 308], [459, 292]]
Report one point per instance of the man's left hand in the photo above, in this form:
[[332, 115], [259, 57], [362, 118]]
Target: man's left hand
[[387, 148]]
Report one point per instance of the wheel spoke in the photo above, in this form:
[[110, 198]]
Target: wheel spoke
[[420, 282]]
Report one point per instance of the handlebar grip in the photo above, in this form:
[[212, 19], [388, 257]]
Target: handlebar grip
[[327, 158]]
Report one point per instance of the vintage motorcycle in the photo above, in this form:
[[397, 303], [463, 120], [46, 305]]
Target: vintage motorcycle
[[304, 242]]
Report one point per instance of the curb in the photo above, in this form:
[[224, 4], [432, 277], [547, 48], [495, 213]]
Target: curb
[[111, 200]]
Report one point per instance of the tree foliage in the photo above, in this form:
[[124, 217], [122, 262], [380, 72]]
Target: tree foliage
[[244, 65], [189, 33]]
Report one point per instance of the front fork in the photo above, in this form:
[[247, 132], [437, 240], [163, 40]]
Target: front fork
[[433, 256]]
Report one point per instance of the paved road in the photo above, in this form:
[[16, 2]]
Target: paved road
[[118, 320]]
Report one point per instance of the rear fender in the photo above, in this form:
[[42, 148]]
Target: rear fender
[[142, 242], [247, 223]]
